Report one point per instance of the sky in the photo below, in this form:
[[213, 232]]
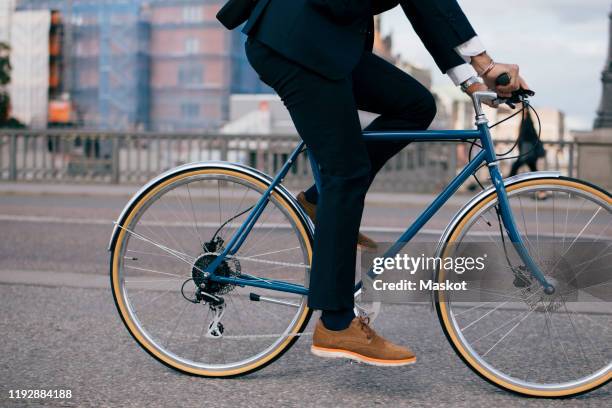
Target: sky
[[560, 45]]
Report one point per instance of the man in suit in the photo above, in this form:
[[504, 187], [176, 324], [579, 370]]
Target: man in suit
[[317, 55]]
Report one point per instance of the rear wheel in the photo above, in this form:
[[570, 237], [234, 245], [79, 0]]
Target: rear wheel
[[166, 240], [521, 339]]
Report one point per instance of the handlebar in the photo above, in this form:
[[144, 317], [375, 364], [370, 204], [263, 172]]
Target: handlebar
[[503, 79], [517, 96]]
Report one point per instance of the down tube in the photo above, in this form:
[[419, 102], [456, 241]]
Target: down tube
[[432, 209]]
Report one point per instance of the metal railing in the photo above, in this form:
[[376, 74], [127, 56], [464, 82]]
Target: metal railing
[[80, 156]]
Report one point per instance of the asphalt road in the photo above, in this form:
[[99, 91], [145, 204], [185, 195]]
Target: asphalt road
[[60, 330]]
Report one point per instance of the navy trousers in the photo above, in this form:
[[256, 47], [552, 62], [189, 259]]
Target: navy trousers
[[325, 115]]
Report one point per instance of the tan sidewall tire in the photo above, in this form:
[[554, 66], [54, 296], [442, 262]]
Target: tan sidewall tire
[[268, 358], [449, 329]]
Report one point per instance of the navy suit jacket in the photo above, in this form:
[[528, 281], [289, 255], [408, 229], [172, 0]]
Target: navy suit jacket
[[329, 36]]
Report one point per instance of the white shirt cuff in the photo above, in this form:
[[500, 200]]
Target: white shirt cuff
[[461, 73], [470, 48]]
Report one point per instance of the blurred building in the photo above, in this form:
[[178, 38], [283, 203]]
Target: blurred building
[[460, 110], [552, 123], [456, 111], [150, 64], [6, 12], [196, 64], [595, 147], [30, 61], [258, 114], [265, 114], [109, 65], [604, 113], [36, 87], [383, 47]]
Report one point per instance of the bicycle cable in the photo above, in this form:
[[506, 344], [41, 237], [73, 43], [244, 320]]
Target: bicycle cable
[[539, 142], [230, 220], [500, 156]]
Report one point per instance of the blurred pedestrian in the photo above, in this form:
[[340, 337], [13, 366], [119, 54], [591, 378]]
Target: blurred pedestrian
[[530, 147]]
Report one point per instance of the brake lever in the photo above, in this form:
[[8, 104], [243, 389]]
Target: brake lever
[[518, 96], [500, 101]]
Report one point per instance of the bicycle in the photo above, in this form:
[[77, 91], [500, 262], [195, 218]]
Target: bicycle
[[185, 285]]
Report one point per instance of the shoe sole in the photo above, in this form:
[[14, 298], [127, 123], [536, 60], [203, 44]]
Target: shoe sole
[[338, 353]]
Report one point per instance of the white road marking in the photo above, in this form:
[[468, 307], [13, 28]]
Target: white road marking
[[84, 221]]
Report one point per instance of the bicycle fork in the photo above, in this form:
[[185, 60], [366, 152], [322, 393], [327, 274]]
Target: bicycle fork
[[506, 212]]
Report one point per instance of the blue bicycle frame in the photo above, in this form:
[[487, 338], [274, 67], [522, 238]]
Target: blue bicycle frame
[[486, 155]]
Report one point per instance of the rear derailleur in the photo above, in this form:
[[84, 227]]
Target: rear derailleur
[[215, 303]]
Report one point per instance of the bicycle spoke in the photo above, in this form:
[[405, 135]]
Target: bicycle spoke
[[154, 271], [177, 224], [575, 332], [508, 333], [195, 219], [178, 255], [533, 250], [570, 341], [547, 313], [499, 328], [219, 201]]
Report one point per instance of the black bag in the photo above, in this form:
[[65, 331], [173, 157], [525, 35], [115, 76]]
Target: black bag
[[235, 12], [539, 150]]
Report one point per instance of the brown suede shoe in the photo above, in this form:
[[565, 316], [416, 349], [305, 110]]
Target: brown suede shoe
[[363, 241], [361, 343]]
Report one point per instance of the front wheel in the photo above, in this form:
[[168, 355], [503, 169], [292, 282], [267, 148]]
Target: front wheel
[[164, 242], [515, 336]]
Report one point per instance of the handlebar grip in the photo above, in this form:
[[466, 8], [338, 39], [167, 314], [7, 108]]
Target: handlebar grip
[[503, 79]]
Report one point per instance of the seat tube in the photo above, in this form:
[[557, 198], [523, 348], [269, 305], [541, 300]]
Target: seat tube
[[243, 231], [505, 210], [316, 173]]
